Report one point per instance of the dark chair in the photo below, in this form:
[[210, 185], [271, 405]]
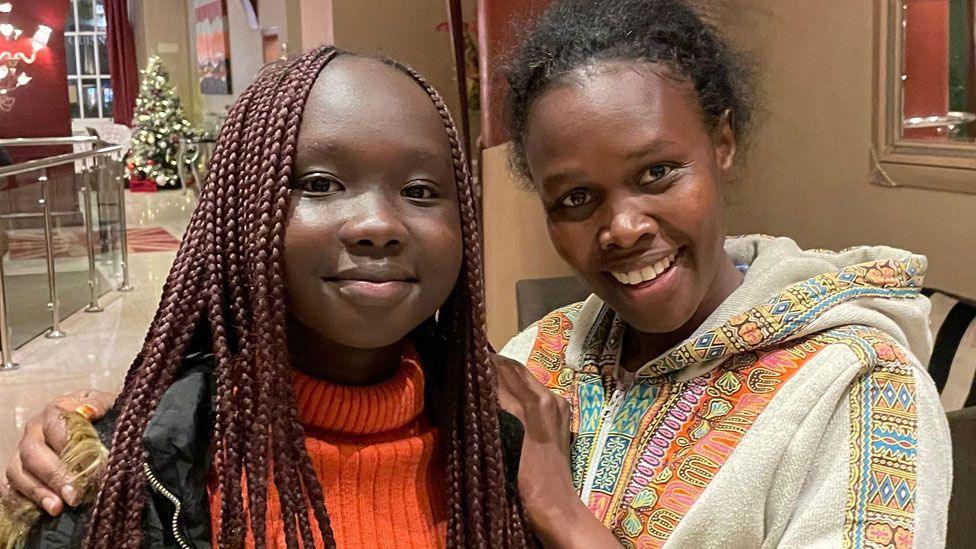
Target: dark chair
[[953, 361], [952, 366], [537, 297], [962, 506]]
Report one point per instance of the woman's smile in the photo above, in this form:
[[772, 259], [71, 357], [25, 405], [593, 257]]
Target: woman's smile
[[646, 277]]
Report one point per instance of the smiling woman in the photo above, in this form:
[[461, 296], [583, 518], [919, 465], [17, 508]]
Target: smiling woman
[[636, 135], [721, 392]]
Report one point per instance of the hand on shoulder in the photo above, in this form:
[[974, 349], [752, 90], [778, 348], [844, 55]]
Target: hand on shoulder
[[35, 471]]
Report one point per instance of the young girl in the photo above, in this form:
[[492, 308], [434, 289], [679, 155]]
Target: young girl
[[317, 372], [722, 393]]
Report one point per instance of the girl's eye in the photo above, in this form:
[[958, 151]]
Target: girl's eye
[[420, 191], [320, 185], [655, 173], [576, 198]]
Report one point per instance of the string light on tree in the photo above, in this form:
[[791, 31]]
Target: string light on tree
[[158, 126]]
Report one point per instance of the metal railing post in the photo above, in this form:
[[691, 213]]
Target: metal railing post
[[98, 160], [52, 284], [124, 237], [6, 345], [88, 174]]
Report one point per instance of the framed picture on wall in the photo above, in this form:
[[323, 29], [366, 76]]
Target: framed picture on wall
[[213, 46]]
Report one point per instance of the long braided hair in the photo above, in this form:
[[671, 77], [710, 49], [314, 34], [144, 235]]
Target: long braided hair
[[227, 283]]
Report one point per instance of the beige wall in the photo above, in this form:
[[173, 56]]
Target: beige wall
[[516, 243], [246, 58], [405, 30], [274, 15], [316, 24], [137, 20], [157, 30], [806, 175], [162, 26], [293, 14]]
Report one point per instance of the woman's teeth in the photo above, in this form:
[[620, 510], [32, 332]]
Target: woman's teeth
[[646, 274]]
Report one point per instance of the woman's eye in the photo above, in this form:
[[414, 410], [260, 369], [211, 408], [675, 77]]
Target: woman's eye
[[420, 191], [576, 198], [321, 185], [655, 173]]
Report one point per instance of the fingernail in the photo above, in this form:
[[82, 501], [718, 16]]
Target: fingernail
[[50, 505], [87, 411], [69, 494]]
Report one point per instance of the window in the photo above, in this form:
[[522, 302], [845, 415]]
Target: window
[[89, 82]]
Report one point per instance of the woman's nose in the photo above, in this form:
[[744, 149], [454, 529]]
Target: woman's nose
[[629, 223]]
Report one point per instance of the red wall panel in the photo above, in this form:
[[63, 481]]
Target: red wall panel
[[41, 108], [500, 24], [926, 91]]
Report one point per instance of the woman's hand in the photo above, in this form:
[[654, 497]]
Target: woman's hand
[[35, 471], [544, 474], [545, 481]]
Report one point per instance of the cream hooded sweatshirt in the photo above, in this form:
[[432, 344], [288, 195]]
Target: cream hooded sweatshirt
[[798, 415]]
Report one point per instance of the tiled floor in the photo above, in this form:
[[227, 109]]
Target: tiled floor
[[99, 346]]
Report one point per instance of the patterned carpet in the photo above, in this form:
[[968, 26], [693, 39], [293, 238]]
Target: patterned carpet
[[70, 242]]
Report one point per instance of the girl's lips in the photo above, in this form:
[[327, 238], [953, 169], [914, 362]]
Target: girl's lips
[[369, 293]]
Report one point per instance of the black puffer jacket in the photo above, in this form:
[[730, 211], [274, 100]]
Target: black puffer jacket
[[177, 439]]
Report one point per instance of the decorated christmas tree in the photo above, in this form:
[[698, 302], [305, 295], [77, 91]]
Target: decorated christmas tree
[[158, 126]]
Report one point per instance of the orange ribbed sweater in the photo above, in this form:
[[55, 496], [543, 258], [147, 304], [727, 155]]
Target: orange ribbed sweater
[[373, 450]]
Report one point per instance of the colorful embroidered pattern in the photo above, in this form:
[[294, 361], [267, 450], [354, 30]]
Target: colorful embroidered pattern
[[546, 360], [694, 438], [796, 307], [881, 492], [645, 455]]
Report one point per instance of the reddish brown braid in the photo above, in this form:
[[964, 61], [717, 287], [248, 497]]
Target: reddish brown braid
[[476, 476], [228, 278]]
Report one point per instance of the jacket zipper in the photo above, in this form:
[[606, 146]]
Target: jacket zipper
[[606, 423], [159, 488]]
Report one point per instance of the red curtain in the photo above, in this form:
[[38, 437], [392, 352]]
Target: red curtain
[[121, 60]]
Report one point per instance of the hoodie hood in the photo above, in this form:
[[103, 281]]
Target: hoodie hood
[[787, 294]]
